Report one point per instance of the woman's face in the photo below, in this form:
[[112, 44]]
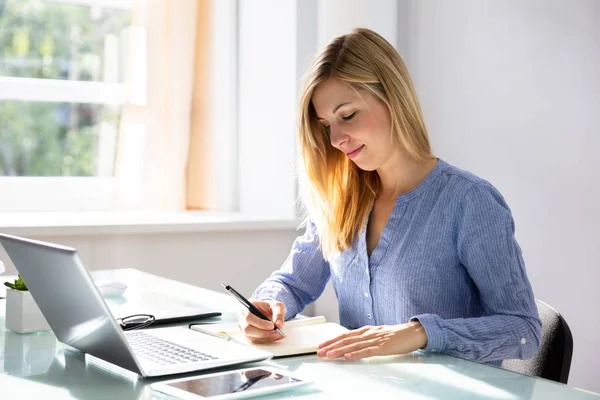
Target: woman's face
[[358, 123]]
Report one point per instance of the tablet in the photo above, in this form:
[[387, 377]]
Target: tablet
[[237, 384]]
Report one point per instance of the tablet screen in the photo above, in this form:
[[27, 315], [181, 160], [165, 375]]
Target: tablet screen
[[233, 382]]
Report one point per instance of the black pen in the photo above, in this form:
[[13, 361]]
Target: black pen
[[251, 307]]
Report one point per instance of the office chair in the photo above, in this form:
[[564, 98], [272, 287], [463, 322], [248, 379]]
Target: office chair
[[553, 359]]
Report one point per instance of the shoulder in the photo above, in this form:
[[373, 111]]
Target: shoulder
[[464, 186], [479, 212], [459, 177], [310, 229], [466, 195]]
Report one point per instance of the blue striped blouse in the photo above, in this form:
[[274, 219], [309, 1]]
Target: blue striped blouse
[[446, 257]]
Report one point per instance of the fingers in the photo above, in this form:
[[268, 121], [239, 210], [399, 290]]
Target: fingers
[[260, 336], [350, 347], [344, 336], [337, 343], [258, 330], [374, 341], [363, 353], [278, 313], [264, 341], [260, 323]]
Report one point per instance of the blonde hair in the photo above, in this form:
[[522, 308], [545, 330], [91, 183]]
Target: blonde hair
[[338, 195]]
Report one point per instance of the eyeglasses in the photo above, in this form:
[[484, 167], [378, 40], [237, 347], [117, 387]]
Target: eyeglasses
[[136, 321]]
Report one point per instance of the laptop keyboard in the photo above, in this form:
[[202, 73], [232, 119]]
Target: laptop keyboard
[[162, 351]]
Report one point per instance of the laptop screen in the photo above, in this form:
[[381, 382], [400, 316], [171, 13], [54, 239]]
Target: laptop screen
[[69, 300]]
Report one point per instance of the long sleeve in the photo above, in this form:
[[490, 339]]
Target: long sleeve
[[510, 327], [302, 277]]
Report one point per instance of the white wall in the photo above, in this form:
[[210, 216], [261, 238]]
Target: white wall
[[267, 108], [511, 91], [339, 17]]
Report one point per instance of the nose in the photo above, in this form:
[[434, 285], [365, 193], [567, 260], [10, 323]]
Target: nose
[[337, 137]]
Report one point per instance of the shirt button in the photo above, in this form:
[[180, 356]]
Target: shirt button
[[433, 350], [523, 341], [366, 294], [369, 316]]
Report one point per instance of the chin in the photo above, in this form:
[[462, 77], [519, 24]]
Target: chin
[[365, 166]]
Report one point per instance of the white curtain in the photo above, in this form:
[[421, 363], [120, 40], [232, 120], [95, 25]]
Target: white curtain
[[155, 125]]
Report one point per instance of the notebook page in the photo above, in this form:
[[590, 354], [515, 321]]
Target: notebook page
[[303, 335], [302, 339], [232, 329]]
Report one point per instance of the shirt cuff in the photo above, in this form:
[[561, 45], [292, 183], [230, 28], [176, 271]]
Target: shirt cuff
[[435, 336]]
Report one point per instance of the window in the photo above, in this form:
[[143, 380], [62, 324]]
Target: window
[[62, 85], [64, 95]]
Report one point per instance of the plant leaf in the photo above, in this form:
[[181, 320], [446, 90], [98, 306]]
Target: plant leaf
[[19, 284]]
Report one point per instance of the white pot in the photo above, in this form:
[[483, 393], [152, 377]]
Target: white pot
[[22, 314]]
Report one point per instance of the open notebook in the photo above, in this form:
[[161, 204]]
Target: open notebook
[[303, 335]]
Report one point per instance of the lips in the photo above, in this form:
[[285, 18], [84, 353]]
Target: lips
[[355, 152]]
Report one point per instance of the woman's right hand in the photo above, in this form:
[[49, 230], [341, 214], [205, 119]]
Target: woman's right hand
[[259, 330]]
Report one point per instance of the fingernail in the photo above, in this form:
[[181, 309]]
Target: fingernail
[[275, 335], [278, 322], [331, 353], [321, 352]]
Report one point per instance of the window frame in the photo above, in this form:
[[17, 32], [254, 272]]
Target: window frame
[[61, 193], [61, 91]]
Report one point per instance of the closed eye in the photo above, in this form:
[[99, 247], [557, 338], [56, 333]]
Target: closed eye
[[349, 117]]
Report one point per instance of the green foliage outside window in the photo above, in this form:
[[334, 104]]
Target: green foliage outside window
[[49, 40]]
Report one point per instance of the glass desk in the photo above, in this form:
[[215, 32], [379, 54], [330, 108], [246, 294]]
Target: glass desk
[[37, 365]]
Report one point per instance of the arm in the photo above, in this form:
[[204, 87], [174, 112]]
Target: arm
[[488, 250], [301, 279]]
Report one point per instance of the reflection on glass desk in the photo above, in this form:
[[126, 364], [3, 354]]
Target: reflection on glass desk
[[37, 366]]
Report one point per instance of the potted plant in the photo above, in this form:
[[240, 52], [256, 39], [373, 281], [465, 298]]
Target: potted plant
[[22, 314]]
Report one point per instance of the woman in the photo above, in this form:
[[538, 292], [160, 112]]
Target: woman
[[421, 254]]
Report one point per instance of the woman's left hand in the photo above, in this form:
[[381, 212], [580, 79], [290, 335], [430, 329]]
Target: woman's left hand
[[371, 341]]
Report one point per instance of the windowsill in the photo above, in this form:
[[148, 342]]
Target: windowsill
[[133, 222]]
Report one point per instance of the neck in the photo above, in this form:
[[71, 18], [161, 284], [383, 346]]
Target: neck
[[401, 175]]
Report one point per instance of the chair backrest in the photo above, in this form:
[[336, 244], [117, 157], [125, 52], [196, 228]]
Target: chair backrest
[[553, 359]]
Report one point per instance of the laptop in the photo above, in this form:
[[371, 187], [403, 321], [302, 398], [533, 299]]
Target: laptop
[[79, 317]]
